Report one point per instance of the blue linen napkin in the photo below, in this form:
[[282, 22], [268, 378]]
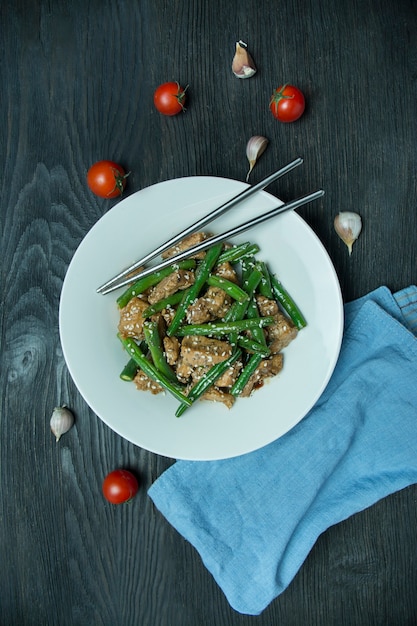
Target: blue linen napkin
[[255, 518]]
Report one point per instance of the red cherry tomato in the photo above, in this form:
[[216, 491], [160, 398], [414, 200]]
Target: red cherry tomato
[[169, 98], [120, 486], [287, 103], [106, 179]]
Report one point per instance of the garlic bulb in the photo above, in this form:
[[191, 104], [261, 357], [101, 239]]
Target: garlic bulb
[[61, 421], [243, 65], [348, 226], [254, 148]]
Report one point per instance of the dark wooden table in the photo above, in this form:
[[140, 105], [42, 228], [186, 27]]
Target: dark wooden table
[[77, 80]]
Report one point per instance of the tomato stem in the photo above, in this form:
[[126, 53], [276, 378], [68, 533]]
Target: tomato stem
[[119, 183], [279, 95], [180, 96]]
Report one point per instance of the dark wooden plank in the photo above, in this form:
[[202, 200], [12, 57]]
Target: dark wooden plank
[[77, 85]]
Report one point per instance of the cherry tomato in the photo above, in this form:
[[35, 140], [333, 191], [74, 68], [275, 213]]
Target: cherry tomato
[[120, 486], [169, 98], [106, 179], [287, 103]]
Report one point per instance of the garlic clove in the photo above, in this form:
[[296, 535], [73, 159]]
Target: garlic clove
[[348, 226], [243, 65], [254, 148], [61, 421]]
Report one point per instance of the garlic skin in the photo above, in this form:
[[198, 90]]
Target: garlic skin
[[61, 421], [348, 226], [254, 148], [243, 65]]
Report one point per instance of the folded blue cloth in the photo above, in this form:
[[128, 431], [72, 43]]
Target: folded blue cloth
[[255, 518]]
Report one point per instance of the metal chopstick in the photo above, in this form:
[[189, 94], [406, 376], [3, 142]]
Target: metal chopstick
[[293, 204], [246, 193]]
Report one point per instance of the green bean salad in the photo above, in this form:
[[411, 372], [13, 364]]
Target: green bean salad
[[211, 327]]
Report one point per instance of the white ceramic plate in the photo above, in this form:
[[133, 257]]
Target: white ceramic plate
[[95, 357]]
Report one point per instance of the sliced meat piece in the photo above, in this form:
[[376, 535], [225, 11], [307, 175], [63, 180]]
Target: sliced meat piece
[[188, 242], [197, 352], [218, 302], [131, 320], [217, 395], [226, 380], [226, 271], [168, 314], [144, 383], [172, 349], [266, 307], [197, 312], [180, 279], [183, 371], [266, 369], [212, 305], [281, 333]]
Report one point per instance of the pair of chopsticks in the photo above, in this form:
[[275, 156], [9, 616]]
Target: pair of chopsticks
[[121, 281]]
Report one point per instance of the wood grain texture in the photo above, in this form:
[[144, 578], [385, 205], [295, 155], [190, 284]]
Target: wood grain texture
[[77, 83]]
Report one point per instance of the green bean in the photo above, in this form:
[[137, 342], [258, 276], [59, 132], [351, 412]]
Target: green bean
[[209, 379], [245, 374], [265, 287], [201, 274], [224, 328], [235, 312], [129, 371], [153, 339], [238, 309], [250, 345], [248, 265], [287, 303], [233, 290], [144, 283], [251, 278], [151, 371], [251, 312], [171, 300], [231, 255]]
